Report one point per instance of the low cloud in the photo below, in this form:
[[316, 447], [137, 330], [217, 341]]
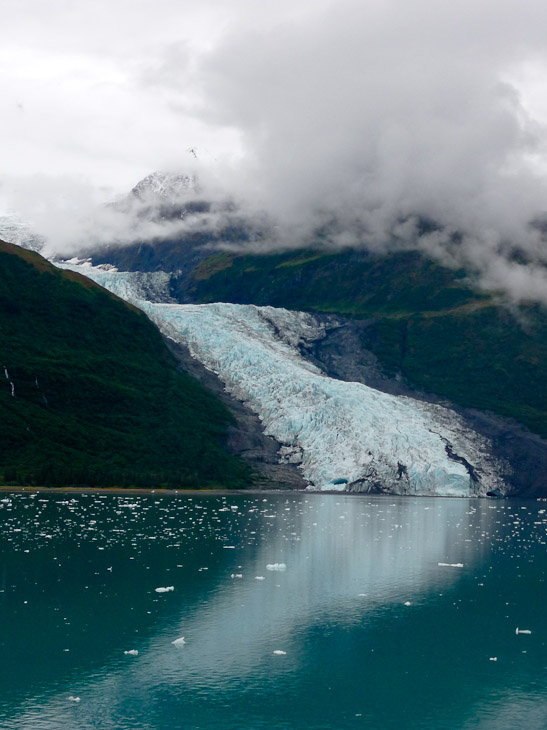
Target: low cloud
[[398, 124], [363, 120]]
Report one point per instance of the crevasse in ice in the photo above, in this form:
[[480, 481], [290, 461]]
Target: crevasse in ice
[[343, 435]]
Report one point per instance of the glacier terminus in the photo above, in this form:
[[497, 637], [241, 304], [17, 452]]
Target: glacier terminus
[[342, 435]]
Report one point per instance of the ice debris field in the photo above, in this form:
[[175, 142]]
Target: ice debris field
[[342, 435], [354, 567]]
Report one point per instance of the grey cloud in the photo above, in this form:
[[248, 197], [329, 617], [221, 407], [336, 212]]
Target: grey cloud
[[370, 115], [73, 218], [361, 119]]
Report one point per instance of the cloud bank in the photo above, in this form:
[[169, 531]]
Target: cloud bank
[[372, 117], [361, 120]]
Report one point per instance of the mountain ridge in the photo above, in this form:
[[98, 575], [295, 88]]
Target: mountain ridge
[[91, 396]]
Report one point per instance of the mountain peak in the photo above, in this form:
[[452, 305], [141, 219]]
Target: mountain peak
[[165, 187]]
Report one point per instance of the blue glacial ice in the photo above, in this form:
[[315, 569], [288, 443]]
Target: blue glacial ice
[[342, 435]]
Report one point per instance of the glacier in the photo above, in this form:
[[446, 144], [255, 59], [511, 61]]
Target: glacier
[[14, 229], [343, 436]]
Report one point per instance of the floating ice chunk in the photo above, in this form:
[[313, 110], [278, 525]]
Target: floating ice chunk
[[132, 652], [229, 547], [493, 659], [179, 642], [450, 565], [165, 590], [522, 631], [73, 699], [259, 577], [279, 652], [276, 566], [407, 603], [236, 575]]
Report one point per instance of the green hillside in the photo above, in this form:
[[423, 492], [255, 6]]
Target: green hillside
[[97, 398], [428, 324]]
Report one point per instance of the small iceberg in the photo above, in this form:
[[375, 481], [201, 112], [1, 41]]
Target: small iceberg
[[71, 698], [450, 565], [179, 642], [132, 652], [165, 590], [522, 631], [279, 652], [276, 566]]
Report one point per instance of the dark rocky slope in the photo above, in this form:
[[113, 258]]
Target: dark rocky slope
[[341, 355]]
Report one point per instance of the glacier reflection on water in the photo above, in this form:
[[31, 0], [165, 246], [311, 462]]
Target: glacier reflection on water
[[375, 632]]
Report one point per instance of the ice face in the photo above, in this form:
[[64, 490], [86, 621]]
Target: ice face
[[343, 435]]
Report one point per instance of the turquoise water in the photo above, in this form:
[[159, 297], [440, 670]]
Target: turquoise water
[[376, 633]]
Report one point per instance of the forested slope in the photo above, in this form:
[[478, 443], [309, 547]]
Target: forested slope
[[90, 395]]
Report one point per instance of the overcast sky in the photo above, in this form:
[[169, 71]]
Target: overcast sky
[[376, 109]]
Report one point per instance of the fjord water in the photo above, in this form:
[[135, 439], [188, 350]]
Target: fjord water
[[379, 626]]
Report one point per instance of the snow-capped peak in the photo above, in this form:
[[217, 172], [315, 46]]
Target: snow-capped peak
[[165, 187]]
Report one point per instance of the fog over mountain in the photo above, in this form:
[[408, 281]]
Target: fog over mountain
[[407, 123]]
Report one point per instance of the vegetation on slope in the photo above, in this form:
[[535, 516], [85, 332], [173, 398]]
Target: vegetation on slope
[[428, 325], [97, 398]]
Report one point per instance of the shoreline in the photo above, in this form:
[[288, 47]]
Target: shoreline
[[120, 491], [142, 490]]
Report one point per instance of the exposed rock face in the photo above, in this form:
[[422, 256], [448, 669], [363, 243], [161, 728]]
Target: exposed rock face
[[246, 436], [341, 354]]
